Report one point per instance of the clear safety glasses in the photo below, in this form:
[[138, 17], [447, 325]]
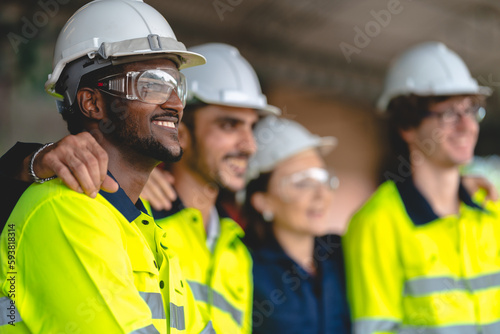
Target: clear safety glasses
[[153, 86], [306, 183], [451, 116]]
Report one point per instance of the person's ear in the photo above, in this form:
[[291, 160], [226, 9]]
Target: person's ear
[[408, 135], [263, 205], [91, 103], [184, 136], [260, 202]]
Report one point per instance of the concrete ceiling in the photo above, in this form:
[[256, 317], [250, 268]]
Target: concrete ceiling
[[317, 40], [298, 42], [341, 45]]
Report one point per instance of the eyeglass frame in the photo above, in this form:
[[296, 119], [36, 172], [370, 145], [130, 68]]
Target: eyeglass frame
[[454, 116]]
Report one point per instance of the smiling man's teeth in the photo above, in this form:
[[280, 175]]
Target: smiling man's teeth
[[165, 124], [237, 162]]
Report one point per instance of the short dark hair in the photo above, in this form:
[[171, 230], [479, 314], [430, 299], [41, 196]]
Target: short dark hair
[[188, 115], [71, 113]]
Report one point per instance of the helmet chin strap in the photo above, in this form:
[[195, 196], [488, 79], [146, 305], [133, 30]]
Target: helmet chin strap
[[67, 85]]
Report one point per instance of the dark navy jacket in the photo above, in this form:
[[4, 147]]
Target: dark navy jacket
[[288, 300]]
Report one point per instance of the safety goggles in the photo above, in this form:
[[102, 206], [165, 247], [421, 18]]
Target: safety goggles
[[307, 182], [153, 86]]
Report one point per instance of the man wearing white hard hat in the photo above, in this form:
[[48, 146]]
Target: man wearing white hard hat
[[100, 265], [422, 253], [224, 103], [299, 284]]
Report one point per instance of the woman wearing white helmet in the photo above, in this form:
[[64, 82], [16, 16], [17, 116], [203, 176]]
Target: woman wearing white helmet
[[298, 269]]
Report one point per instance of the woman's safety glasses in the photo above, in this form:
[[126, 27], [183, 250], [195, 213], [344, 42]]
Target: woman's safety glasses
[[305, 183], [153, 86]]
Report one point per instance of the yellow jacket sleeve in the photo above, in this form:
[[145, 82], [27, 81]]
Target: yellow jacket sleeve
[[374, 275]]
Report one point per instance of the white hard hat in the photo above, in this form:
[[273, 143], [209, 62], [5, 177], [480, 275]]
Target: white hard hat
[[104, 30], [279, 139], [428, 69], [227, 79]]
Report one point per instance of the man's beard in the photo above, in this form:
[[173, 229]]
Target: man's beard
[[125, 134], [198, 163], [150, 147]]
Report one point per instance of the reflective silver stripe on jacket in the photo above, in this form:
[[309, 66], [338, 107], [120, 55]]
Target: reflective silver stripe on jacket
[[209, 329], [493, 328], [221, 303], [155, 303], [371, 326], [201, 292], [485, 282], [8, 312], [374, 326], [146, 330], [429, 285], [177, 319]]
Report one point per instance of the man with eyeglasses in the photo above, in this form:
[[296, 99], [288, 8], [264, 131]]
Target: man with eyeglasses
[[72, 263], [422, 253]]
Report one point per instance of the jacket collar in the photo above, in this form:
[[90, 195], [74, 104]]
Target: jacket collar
[[122, 203], [419, 209], [272, 251], [178, 206]]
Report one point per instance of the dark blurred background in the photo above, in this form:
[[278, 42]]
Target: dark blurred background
[[310, 55]]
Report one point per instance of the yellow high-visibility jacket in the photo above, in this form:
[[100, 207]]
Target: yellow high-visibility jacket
[[410, 271], [221, 281], [72, 264]]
